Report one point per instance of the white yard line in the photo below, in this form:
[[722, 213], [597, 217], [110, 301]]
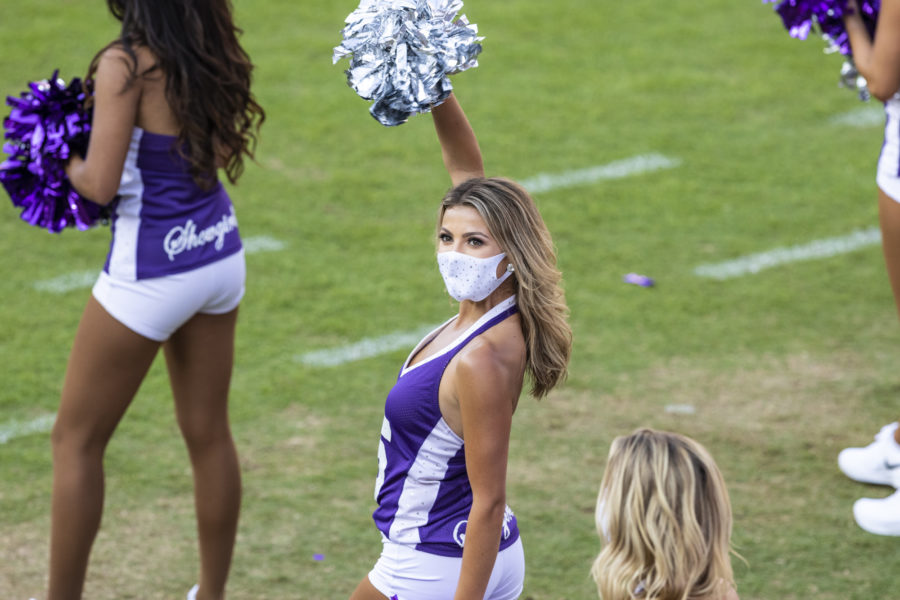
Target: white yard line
[[866, 116], [262, 243], [681, 409], [16, 429], [754, 263], [68, 282], [636, 165], [365, 348]]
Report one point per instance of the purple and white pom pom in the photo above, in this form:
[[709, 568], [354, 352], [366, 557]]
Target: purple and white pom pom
[[48, 124], [827, 16], [402, 51]]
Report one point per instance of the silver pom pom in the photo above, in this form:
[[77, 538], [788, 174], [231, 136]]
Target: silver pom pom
[[402, 52]]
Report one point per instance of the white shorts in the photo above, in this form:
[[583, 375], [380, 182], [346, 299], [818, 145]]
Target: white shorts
[[156, 307], [888, 176], [404, 573]]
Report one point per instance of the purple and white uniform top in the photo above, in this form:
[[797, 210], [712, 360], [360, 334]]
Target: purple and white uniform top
[[162, 222], [422, 489]]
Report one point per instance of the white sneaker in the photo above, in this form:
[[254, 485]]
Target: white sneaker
[[879, 516], [877, 463], [192, 595]]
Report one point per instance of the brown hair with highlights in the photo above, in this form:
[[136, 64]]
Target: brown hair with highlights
[[514, 221]]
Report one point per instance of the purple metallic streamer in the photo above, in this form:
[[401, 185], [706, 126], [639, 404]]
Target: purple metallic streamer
[[48, 124], [800, 17], [402, 51]]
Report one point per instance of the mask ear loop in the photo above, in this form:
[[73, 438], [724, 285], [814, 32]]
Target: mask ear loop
[[509, 271]]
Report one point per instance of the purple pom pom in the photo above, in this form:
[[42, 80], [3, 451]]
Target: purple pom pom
[[802, 16], [47, 125]]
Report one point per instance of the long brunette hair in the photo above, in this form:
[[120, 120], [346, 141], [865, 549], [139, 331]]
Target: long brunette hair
[[207, 75], [514, 221]]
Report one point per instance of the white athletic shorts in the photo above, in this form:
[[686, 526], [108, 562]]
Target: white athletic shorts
[[404, 573], [156, 307], [888, 177]]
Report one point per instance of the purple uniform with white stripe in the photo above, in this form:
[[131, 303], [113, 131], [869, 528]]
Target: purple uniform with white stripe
[[162, 222], [423, 491]]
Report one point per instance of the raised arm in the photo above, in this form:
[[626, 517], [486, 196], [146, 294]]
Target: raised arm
[[459, 147], [878, 62]]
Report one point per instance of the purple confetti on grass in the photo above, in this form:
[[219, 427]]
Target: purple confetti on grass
[[641, 280], [318, 557]]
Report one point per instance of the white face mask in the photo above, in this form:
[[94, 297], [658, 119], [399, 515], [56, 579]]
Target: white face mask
[[471, 278]]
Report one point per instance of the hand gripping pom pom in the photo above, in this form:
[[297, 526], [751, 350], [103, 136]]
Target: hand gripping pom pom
[[47, 125], [827, 16], [402, 52]]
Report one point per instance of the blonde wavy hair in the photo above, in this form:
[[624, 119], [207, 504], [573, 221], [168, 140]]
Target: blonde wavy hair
[[514, 221], [664, 514]]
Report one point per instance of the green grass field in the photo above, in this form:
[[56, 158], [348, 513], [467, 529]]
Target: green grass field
[[784, 367]]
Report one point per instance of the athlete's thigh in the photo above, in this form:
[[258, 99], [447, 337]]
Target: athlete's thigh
[[366, 591], [108, 361], [889, 218], [200, 356]]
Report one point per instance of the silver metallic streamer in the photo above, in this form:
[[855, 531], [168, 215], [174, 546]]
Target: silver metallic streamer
[[851, 79], [402, 51]]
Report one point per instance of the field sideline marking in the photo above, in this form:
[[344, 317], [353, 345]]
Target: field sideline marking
[[681, 409], [85, 279], [67, 282], [16, 429], [643, 163], [262, 243], [754, 263], [365, 348], [867, 116]]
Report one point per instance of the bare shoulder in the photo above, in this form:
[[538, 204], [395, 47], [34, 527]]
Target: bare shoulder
[[117, 59], [486, 380], [147, 62], [116, 56], [114, 61], [114, 76], [497, 353]]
